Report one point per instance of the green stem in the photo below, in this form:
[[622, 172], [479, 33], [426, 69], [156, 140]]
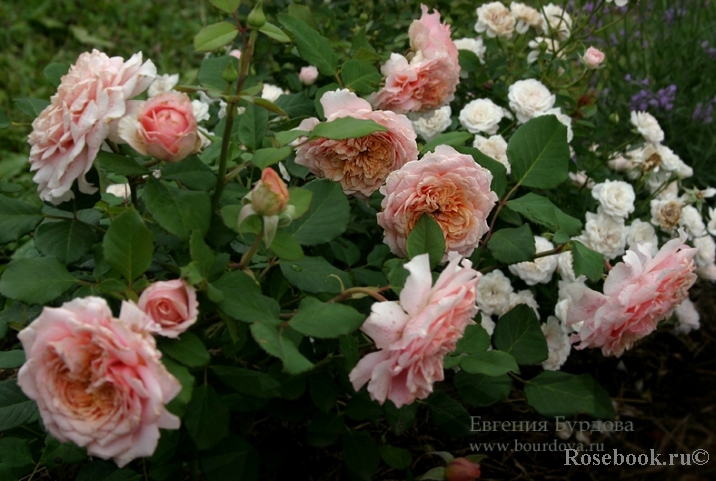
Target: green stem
[[348, 293], [249, 254], [500, 205]]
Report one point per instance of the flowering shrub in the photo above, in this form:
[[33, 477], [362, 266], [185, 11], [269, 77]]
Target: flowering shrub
[[325, 233]]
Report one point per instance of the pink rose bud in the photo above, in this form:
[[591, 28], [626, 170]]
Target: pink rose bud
[[461, 469], [593, 57], [235, 53], [308, 75], [270, 195], [172, 305], [163, 127]]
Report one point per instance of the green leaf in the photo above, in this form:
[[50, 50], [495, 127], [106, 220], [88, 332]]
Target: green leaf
[[325, 320], [54, 73], [397, 458], [215, 36], [315, 274], [454, 139], [66, 240], [128, 245], [346, 128], [233, 458], [120, 164], [17, 218], [55, 453], [426, 237], [188, 350], [243, 299], [210, 73], [498, 171], [539, 153], [35, 281], [207, 418], [475, 340], [183, 376], [345, 251], [400, 420], [286, 247], [15, 458], [482, 390], [295, 106], [360, 453], [323, 391], [587, 262], [512, 245], [31, 107], [360, 76], [300, 199], [12, 359], [396, 274], [15, 408], [228, 6], [312, 46], [289, 136], [201, 254], [518, 333], [469, 62], [327, 216], [556, 393], [271, 341], [191, 172], [5, 122], [177, 210], [253, 126], [490, 363], [274, 32], [245, 381], [303, 13], [324, 429], [542, 211], [265, 157], [434, 474], [448, 414]]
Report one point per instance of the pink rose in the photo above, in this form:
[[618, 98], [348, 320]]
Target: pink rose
[[69, 132], [638, 294], [593, 57], [98, 381], [163, 127], [360, 164], [429, 80], [449, 186], [308, 75], [415, 334], [462, 469], [172, 305]]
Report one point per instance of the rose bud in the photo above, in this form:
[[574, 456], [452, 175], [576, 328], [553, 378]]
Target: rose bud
[[270, 195], [461, 469], [593, 57], [308, 75], [163, 127]]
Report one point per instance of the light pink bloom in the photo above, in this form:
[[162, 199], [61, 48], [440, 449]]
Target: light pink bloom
[[593, 57], [163, 127], [172, 305], [360, 164], [638, 294], [308, 75], [69, 132], [428, 81], [449, 186], [415, 334], [98, 381]]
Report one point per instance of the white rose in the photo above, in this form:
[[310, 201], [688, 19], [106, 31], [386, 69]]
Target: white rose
[[525, 16], [495, 20], [706, 254], [620, 163], [556, 19], [494, 147], [647, 126], [692, 221], [688, 317], [431, 123], [540, 270], [481, 115], [642, 232], [565, 266], [604, 234], [557, 343], [200, 110], [493, 293], [579, 178], [712, 221], [708, 272], [567, 291], [123, 191], [552, 48], [271, 92], [487, 324], [162, 83], [523, 297], [529, 98], [616, 197], [565, 120], [666, 213], [474, 45]]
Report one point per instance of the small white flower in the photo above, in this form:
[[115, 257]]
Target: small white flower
[[557, 20], [495, 20], [604, 234], [535, 45], [540, 270], [200, 109], [567, 290], [523, 297], [493, 293], [621, 163], [474, 45], [579, 178], [692, 221], [666, 213], [616, 197], [706, 254], [123, 191], [564, 119], [487, 324], [619, 3], [712, 221], [431, 123], [688, 317], [525, 16], [494, 147], [642, 232], [271, 92], [557, 343], [481, 115], [163, 83], [647, 126], [529, 98], [565, 266]]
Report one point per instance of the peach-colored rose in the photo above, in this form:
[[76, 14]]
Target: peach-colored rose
[[449, 186], [270, 194], [415, 334], [172, 305], [360, 164], [98, 381], [69, 132], [462, 469], [163, 127], [308, 75], [638, 294], [426, 82], [593, 57]]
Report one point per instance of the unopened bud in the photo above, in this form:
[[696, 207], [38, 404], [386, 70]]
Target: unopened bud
[[256, 18], [229, 74], [270, 195], [614, 118], [461, 469]]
